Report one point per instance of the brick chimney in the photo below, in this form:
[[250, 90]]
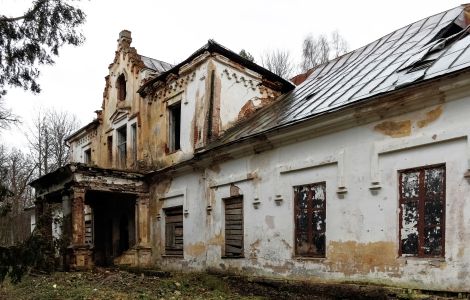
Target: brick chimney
[[125, 40]]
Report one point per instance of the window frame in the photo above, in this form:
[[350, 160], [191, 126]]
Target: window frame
[[87, 156], [226, 201], [174, 139], [121, 146], [121, 86], [166, 212], [310, 231], [134, 143], [421, 209], [109, 144]]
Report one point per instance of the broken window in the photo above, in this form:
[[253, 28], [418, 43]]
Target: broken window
[[174, 231], [87, 156], [310, 219], [121, 87], [234, 227], [422, 211], [110, 150], [122, 146], [134, 143], [175, 126]]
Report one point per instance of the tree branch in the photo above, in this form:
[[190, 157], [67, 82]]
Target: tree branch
[[26, 15]]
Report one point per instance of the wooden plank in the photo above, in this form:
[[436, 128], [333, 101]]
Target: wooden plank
[[234, 250], [236, 227], [232, 231], [174, 219], [234, 205], [233, 222], [235, 243], [233, 217], [237, 211]]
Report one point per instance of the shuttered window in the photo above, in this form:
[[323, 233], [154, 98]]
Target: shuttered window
[[234, 227], [310, 219], [174, 231]]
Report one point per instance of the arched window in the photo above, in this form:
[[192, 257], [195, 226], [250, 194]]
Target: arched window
[[121, 87]]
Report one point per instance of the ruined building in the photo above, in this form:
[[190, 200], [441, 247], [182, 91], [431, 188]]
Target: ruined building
[[360, 173]]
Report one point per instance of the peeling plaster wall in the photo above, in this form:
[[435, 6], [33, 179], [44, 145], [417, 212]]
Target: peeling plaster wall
[[362, 232]]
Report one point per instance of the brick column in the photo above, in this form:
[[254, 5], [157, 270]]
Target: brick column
[[80, 253], [142, 221], [143, 250]]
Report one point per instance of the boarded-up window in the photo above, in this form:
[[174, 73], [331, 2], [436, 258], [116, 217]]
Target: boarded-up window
[[174, 231], [310, 219], [234, 227], [422, 211], [122, 146]]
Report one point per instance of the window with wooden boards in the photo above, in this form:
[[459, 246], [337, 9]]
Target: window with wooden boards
[[234, 227], [422, 211], [174, 231]]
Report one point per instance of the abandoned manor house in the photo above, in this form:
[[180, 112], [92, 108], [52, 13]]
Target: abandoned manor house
[[360, 171]]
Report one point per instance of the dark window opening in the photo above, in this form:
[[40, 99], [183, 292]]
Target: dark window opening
[[174, 231], [175, 126], [122, 146], [109, 144], [310, 219], [121, 87], [134, 143], [234, 227], [87, 156], [422, 211]]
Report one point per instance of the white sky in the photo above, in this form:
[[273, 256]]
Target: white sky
[[172, 30]]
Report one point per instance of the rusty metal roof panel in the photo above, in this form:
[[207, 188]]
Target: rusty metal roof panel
[[430, 47]]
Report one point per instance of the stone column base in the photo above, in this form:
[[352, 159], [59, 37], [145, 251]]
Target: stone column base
[[80, 257], [138, 256]]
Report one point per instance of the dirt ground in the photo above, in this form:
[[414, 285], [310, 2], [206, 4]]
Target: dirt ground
[[119, 284]]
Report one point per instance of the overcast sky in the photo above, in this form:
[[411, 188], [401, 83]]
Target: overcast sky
[[171, 30]]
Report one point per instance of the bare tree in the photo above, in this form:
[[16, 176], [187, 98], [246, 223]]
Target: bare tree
[[6, 116], [317, 51], [46, 139], [339, 45], [279, 62], [16, 170]]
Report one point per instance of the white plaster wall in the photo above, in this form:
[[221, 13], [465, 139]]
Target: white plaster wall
[[237, 88], [361, 217]]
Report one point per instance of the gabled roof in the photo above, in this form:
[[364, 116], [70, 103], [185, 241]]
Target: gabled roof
[[212, 47], [155, 64], [429, 48]]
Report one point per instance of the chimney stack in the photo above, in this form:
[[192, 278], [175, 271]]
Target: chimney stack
[[125, 40]]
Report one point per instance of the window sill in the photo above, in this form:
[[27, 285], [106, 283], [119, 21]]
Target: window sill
[[310, 258], [174, 151], [439, 258], [233, 257], [433, 261], [173, 256]]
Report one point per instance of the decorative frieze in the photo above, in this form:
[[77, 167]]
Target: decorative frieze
[[238, 78], [173, 86]]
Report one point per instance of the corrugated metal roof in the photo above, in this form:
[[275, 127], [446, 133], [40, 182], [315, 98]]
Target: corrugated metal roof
[[155, 64], [428, 48]]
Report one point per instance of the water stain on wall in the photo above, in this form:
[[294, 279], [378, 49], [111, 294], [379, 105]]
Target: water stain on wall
[[394, 128]]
